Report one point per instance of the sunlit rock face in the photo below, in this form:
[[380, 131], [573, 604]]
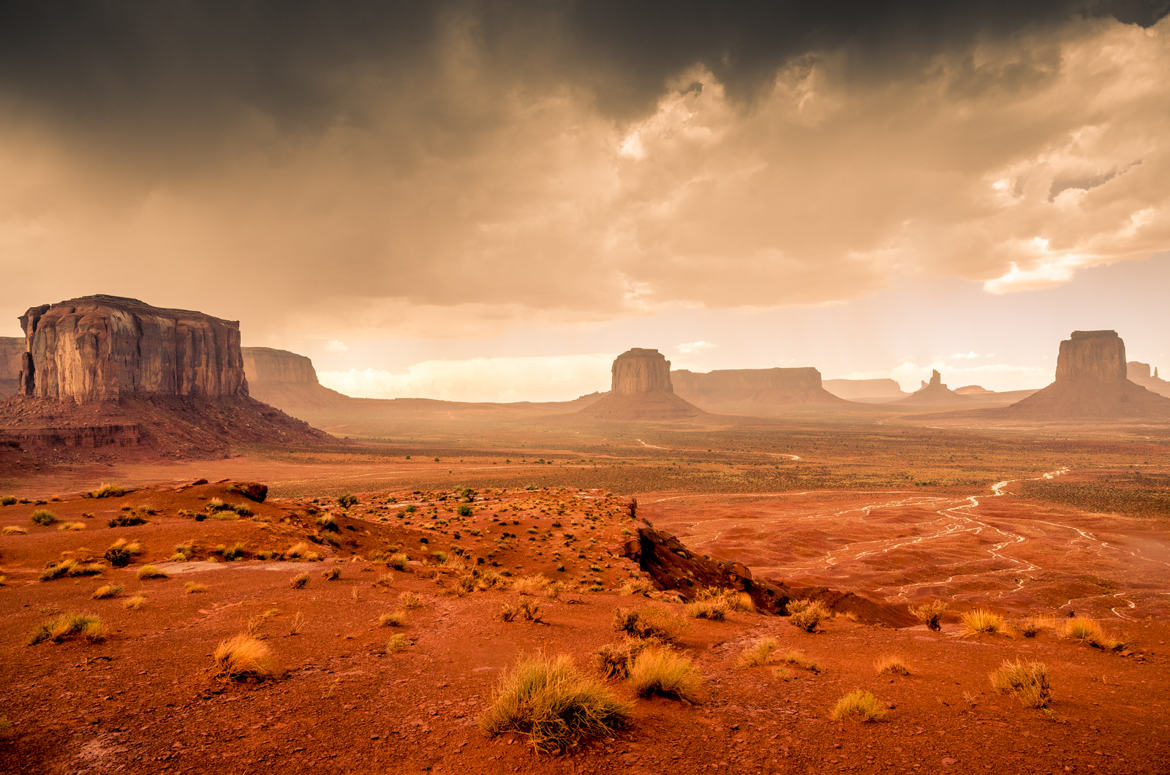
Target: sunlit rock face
[[267, 365], [638, 371], [1097, 356], [11, 355], [101, 348]]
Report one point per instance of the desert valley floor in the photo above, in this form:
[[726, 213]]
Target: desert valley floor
[[384, 617]]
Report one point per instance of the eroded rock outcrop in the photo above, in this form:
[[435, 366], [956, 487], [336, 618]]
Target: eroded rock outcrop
[[641, 390], [288, 381], [100, 348], [1091, 382], [265, 364], [933, 393], [1140, 374], [757, 392], [11, 356]]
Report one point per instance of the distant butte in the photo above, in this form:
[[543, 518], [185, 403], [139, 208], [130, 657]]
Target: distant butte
[[641, 390], [755, 392]]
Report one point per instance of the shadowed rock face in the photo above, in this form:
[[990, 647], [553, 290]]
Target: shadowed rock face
[[1097, 356], [288, 381], [11, 355], [638, 371], [101, 348]]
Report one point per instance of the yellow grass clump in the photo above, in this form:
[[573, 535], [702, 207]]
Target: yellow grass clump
[[244, 658], [554, 704], [859, 704], [891, 665], [759, 653], [981, 622], [1090, 633], [70, 625], [392, 619], [807, 614], [1027, 680], [150, 572], [659, 670], [650, 623], [105, 591], [715, 609], [13, 530], [134, 603], [929, 613]]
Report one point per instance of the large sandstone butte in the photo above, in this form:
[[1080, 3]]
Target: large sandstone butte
[[11, 355], [287, 380], [753, 392], [865, 390], [108, 372], [1091, 383], [641, 390], [1139, 374], [100, 348]]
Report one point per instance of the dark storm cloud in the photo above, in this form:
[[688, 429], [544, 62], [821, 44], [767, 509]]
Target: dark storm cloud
[[185, 64]]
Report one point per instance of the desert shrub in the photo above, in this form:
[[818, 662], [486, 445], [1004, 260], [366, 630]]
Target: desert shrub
[[1090, 633], [759, 653], [715, 609], [981, 622], [397, 642], [71, 526], [183, 552], [398, 561], [636, 587], [194, 588], [233, 552], [347, 500], [244, 658], [658, 670], [463, 510], [525, 609], [71, 568], [614, 659], [13, 530], [652, 623], [242, 509], [858, 704], [217, 504], [807, 614], [798, 659], [1027, 680], [299, 580], [929, 613], [332, 574], [554, 704], [67, 626], [891, 665], [43, 517], [328, 523], [150, 572], [105, 591], [530, 585], [134, 603], [121, 552], [1032, 626], [107, 491], [410, 600], [127, 520], [392, 619], [302, 551], [7, 500]]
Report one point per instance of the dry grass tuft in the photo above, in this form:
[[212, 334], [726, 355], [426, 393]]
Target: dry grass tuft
[[929, 613], [1090, 633], [982, 622], [859, 704], [759, 653], [891, 665], [1027, 680], [134, 603], [299, 580], [302, 551], [71, 568], [715, 609], [194, 588], [150, 572], [67, 626], [650, 623], [398, 642], [554, 704], [525, 609], [71, 526], [107, 491], [798, 659], [333, 574], [105, 591], [807, 614], [614, 659], [410, 600], [13, 530], [244, 658], [530, 585], [659, 670], [43, 517], [392, 619]]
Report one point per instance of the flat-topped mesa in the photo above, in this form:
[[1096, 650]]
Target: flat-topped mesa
[[1097, 356], [268, 365], [638, 371], [753, 392], [11, 356], [102, 348], [1139, 373]]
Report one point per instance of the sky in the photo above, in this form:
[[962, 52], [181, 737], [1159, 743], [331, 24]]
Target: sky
[[482, 200]]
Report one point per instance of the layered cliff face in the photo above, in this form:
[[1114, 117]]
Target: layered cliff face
[[100, 348], [1091, 382], [11, 356], [641, 390], [638, 371], [288, 381], [756, 392]]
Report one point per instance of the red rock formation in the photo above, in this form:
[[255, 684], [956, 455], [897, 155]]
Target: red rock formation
[[754, 392], [933, 393], [1091, 383], [100, 348], [265, 364], [641, 390], [865, 390], [11, 356], [288, 381], [1139, 374]]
